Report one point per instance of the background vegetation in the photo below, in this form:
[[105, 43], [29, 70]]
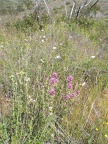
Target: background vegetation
[[53, 77]]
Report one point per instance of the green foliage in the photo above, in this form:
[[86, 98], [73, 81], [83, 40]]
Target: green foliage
[[27, 63], [14, 7], [28, 3], [30, 23]]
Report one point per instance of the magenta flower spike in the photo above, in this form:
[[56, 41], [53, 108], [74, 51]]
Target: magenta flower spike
[[52, 81], [69, 78], [54, 75], [56, 80], [78, 92], [73, 95], [52, 92], [67, 97], [69, 86]]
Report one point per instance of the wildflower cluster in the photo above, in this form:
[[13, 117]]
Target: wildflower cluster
[[70, 87], [53, 81]]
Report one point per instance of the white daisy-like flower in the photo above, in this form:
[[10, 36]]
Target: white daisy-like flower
[[51, 113], [52, 135], [42, 41], [43, 37], [42, 30], [27, 79], [1, 46], [54, 48], [26, 40], [42, 61], [61, 44], [32, 100], [84, 83], [58, 57], [70, 37], [12, 76], [93, 57], [50, 108]]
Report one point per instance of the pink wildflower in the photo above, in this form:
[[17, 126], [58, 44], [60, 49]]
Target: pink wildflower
[[73, 95], [69, 86], [67, 97], [52, 81], [52, 92], [56, 80], [54, 75], [78, 92], [69, 78]]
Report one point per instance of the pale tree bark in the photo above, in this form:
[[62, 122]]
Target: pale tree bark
[[73, 7], [79, 10], [87, 3], [94, 4], [75, 11], [47, 8]]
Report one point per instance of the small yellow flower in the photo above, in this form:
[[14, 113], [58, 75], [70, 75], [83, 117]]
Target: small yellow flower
[[96, 129], [107, 123], [106, 135]]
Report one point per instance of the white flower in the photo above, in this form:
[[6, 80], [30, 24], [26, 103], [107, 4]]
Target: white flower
[[27, 79], [52, 135], [50, 108], [51, 113], [42, 60], [70, 37], [42, 30], [17, 73], [42, 41], [54, 48], [30, 99], [58, 57], [92, 57], [1, 46], [84, 83], [12, 76], [61, 44], [43, 37], [26, 40]]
